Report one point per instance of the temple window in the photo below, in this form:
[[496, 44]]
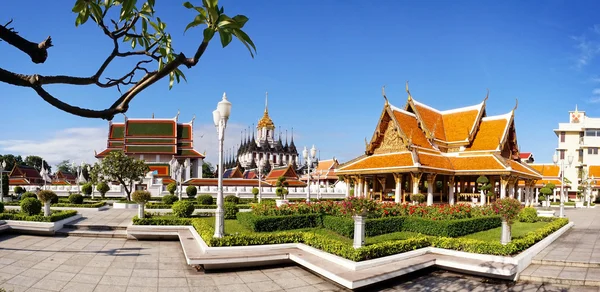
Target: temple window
[[562, 137]]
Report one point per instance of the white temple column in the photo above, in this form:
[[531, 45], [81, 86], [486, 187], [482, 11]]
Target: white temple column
[[398, 193], [416, 178], [503, 183], [366, 189], [537, 194], [430, 182], [451, 190], [347, 181], [519, 193]]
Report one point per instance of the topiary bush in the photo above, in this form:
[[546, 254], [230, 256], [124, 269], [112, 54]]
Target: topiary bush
[[171, 188], [191, 191], [232, 199], [102, 188], [28, 195], [205, 200], [86, 189], [141, 197], [19, 190], [419, 198], [169, 199], [508, 209], [76, 199], [46, 195], [183, 209], [31, 206], [231, 210], [528, 215]]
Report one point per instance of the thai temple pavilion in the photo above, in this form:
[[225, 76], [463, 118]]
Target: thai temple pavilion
[[156, 141], [419, 149], [265, 146]]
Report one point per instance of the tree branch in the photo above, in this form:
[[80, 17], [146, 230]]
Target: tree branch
[[37, 52]]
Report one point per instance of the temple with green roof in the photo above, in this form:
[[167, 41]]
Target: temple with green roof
[[156, 141]]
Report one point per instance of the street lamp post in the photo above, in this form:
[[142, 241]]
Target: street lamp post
[[220, 117], [562, 180], [184, 167], [319, 184], [176, 167], [2, 167], [309, 160], [261, 165]]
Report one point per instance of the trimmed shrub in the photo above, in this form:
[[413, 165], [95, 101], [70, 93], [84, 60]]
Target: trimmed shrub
[[232, 199], [340, 225], [161, 220], [102, 188], [508, 208], [231, 209], [31, 206], [55, 216], [86, 189], [171, 188], [528, 215], [191, 191], [76, 199], [278, 223], [46, 195], [419, 198], [380, 226], [255, 193], [450, 228], [141, 197], [183, 209], [205, 200], [19, 190], [169, 199], [28, 195], [1, 207]]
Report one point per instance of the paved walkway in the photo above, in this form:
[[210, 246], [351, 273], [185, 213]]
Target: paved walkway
[[111, 217]]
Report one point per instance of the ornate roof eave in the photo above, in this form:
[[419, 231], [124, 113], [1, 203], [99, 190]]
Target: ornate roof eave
[[378, 132], [402, 169]]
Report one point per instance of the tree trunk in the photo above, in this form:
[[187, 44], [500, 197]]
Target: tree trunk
[[47, 208]]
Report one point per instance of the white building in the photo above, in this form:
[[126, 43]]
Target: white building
[[580, 138]]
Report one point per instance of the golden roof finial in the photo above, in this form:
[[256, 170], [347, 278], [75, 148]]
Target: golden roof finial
[[265, 121], [408, 91], [383, 93], [487, 95], [266, 102], [516, 104], [153, 115]]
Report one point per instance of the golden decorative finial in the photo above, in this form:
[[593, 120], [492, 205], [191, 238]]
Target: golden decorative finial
[[266, 102], [153, 115], [487, 95], [95, 153], [516, 104], [177, 116], [408, 91], [193, 118], [383, 93], [366, 143]]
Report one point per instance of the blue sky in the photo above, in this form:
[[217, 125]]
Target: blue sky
[[323, 64]]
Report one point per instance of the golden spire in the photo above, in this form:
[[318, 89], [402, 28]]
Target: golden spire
[[383, 93], [265, 121], [408, 91]]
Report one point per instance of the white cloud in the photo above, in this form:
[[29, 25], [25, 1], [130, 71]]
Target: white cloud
[[596, 91], [74, 144], [587, 51]]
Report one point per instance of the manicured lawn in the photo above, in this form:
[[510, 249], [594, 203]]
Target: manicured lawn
[[519, 229], [231, 226]]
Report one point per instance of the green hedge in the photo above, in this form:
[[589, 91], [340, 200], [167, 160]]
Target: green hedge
[[312, 239], [570, 203], [385, 225], [84, 205], [56, 215], [450, 228], [196, 206], [495, 247], [161, 220], [340, 225], [278, 223]]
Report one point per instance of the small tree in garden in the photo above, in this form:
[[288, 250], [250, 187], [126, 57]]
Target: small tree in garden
[[31, 206], [171, 188], [281, 187], [141, 197], [546, 192], [18, 190], [102, 188], [86, 189], [117, 166], [508, 209], [94, 177], [419, 198], [191, 191], [255, 193], [483, 184], [46, 197]]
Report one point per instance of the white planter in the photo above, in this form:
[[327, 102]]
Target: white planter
[[359, 231], [124, 206], [578, 204], [545, 213], [278, 203], [506, 233]]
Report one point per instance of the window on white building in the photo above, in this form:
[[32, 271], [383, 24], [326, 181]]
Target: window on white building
[[592, 132], [593, 151], [562, 137]]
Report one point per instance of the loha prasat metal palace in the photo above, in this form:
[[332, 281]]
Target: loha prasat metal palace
[[419, 149]]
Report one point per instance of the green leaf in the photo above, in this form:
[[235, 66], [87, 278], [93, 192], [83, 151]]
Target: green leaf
[[151, 2], [171, 80], [240, 20], [144, 25], [128, 6], [133, 43], [188, 5], [197, 21], [210, 3], [79, 5], [96, 10], [208, 34], [242, 36], [155, 25], [225, 37]]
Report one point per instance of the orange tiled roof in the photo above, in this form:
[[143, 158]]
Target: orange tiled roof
[[594, 171], [487, 162], [458, 125], [547, 170], [434, 161], [489, 135], [382, 161], [433, 120], [542, 182], [226, 182], [410, 127], [517, 166]]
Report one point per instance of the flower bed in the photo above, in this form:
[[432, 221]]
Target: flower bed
[[56, 215], [196, 206]]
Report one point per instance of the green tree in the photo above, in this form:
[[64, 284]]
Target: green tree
[[102, 188], [172, 188], [126, 170], [36, 162], [11, 160], [127, 23], [208, 171], [281, 187], [66, 166], [5, 184]]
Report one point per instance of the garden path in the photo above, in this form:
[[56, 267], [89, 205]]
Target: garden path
[[106, 223]]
